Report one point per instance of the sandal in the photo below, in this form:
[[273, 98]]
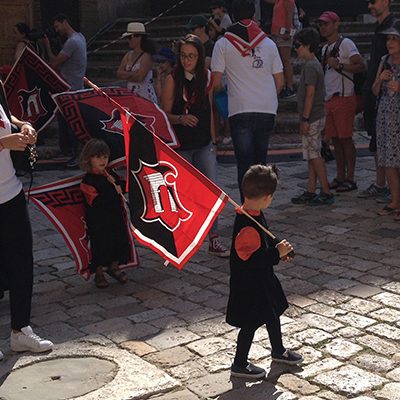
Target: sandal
[[101, 282], [397, 216], [348, 186], [117, 274], [335, 184], [386, 211]]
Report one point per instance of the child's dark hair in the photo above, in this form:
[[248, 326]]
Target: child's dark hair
[[93, 148], [260, 180], [242, 9], [308, 36]]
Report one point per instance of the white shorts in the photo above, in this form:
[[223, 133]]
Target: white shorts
[[312, 142]]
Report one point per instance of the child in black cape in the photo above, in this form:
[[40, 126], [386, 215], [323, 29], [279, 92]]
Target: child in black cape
[[105, 214], [256, 296]]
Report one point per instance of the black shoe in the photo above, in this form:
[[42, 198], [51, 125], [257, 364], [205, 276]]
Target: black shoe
[[251, 371], [288, 357]]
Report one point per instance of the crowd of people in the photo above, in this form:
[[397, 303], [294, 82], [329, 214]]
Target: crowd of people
[[231, 54]]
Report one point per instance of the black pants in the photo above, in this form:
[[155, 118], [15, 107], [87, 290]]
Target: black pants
[[16, 258], [369, 100], [245, 339]]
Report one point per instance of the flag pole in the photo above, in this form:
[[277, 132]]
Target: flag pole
[[107, 97], [291, 254], [15, 63]]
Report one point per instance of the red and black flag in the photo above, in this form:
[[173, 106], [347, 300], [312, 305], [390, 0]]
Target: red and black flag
[[63, 203], [29, 87], [172, 204], [91, 115]]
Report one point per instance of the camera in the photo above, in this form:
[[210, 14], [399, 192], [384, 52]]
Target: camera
[[49, 32]]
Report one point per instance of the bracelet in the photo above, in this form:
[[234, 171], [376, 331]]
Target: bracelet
[[214, 144], [180, 119], [2, 145], [287, 31], [26, 123], [304, 119]]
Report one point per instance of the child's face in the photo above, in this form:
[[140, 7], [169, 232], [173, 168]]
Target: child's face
[[301, 49], [99, 163]]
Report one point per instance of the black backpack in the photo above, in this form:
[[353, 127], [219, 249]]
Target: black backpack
[[358, 77]]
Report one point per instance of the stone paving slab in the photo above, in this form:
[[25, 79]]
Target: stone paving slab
[[343, 289]]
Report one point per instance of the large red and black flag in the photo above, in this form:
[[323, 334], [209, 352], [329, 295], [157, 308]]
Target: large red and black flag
[[63, 203], [29, 87], [91, 115], [172, 204]]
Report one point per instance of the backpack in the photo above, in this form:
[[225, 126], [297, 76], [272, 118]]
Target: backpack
[[358, 77]]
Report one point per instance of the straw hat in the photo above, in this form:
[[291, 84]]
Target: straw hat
[[135, 28]]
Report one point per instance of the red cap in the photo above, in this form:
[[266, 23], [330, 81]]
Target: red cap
[[329, 16]]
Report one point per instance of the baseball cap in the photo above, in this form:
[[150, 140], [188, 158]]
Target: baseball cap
[[197, 21], [165, 54], [328, 16]]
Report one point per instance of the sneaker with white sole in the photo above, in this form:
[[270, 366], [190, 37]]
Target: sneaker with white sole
[[26, 340], [251, 371], [216, 248], [372, 191], [385, 198], [288, 357]]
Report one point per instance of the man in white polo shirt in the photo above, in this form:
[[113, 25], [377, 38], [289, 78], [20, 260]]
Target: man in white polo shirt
[[254, 73]]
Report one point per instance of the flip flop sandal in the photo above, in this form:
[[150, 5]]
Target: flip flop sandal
[[101, 282], [348, 187], [336, 184], [386, 211], [397, 216], [117, 274]]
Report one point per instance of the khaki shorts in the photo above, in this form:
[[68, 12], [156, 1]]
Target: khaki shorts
[[312, 143], [282, 42]]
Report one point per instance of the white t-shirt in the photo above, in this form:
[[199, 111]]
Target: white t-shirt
[[226, 21], [251, 85], [334, 82], [10, 185]]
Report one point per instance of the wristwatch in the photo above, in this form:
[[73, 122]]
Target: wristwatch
[[304, 119], [341, 66]]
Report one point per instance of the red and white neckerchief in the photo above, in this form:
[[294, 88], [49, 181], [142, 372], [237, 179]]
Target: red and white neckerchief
[[245, 36], [185, 95]]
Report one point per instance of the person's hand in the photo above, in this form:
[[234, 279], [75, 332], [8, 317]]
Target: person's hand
[[393, 86], [111, 179], [284, 248], [333, 63], [190, 120], [385, 75], [304, 128], [118, 189], [286, 258], [286, 36], [15, 141], [30, 132], [46, 42]]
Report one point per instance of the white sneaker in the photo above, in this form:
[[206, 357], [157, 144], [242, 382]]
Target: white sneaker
[[1, 355], [26, 340]]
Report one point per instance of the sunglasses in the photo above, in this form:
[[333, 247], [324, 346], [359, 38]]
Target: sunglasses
[[297, 45], [133, 36]]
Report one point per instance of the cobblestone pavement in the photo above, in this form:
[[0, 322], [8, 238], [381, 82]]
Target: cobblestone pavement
[[343, 289]]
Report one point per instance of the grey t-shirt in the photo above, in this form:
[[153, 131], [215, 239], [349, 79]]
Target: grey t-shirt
[[313, 75], [74, 69]]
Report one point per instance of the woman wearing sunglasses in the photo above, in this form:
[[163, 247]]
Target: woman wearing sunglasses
[[186, 99], [137, 66]]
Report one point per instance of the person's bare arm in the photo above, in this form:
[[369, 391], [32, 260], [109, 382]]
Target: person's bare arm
[[55, 61], [217, 82], [279, 81], [289, 8], [146, 64], [357, 64], [167, 102]]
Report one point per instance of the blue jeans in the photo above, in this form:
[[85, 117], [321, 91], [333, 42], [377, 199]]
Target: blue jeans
[[205, 160], [250, 134]]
